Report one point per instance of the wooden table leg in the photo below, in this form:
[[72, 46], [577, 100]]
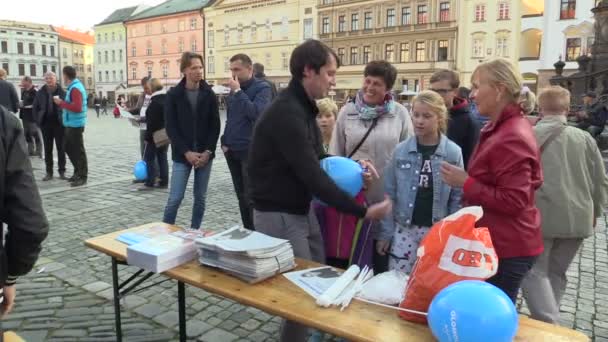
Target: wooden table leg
[[116, 300], [181, 302]]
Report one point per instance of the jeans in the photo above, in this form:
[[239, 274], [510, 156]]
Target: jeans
[[511, 272], [97, 108], [237, 164], [157, 156], [53, 132], [544, 286], [74, 147], [177, 189]]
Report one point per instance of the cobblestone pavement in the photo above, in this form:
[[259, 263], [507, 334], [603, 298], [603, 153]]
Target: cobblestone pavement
[[68, 295]]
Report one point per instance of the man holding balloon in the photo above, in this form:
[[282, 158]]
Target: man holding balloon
[[284, 164]]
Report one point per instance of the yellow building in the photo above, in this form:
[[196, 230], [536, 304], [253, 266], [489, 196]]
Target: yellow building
[[267, 31], [76, 49], [487, 29]]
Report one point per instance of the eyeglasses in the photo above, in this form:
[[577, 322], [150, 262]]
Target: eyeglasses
[[441, 91]]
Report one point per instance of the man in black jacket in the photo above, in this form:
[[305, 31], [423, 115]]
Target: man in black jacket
[[462, 129], [193, 125], [258, 72], [20, 209], [48, 115], [27, 115], [8, 94], [284, 163]]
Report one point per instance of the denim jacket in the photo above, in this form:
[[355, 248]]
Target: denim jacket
[[401, 178]]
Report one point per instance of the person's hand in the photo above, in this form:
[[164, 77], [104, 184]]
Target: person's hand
[[234, 84], [203, 160], [379, 210], [382, 247], [369, 173], [192, 158], [453, 175], [9, 293], [225, 148], [57, 100]]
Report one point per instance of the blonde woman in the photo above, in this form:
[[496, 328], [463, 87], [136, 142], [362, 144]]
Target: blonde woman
[[527, 101], [573, 195], [326, 120], [413, 182], [503, 174]]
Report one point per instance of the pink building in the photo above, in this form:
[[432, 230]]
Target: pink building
[[157, 37]]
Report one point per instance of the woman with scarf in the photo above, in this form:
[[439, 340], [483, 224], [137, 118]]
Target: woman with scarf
[[370, 127]]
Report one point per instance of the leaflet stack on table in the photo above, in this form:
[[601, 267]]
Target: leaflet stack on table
[[248, 255]]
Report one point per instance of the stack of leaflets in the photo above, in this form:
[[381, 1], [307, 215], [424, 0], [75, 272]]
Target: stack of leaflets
[[248, 255], [157, 248]]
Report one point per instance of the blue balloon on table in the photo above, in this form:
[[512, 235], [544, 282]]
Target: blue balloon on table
[[472, 311], [140, 170], [345, 172]]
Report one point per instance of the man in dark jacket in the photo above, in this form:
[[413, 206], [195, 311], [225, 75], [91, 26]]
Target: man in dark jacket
[[284, 163], [48, 115], [27, 115], [193, 125], [20, 210], [248, 98], [594, 115], [258, 72], [8, 94], [462, 128]]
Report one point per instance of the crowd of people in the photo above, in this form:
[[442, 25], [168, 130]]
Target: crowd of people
[[541, 182]]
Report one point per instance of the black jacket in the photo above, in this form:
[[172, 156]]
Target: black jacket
[[28, 97], [284, 158], [195, 132], [462, 128], [20, 204], [155, 116], [45, 110], [8, 96]]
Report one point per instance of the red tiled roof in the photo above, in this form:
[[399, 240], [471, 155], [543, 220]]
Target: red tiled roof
[[78, 37]]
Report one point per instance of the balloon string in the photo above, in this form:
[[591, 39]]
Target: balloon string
[[392, 307]]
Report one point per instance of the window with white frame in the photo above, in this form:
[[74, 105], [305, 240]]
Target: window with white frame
[[341, 23], [193, 45], [226, 35], [133, 73], [193, 23], [420, 51], [389, 53], [149, 66], [284, 60], [503, 10], [502, 45], [308, 28], [285, 28], [354, 22], [404, 53], [180, 45], [423, 15], [165, 68], [122, 76], [390, 17], [367, 53], [211, 64], [354, 55], [149, 48], [210, 39], [113, 75], [268, 30], [573, 48], [478, 46], [133, 50], [480, 12], [442, 51], [325, 25], [406, 16], [367, 20], [254, 31]]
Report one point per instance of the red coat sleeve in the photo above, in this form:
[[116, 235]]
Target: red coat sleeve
[[76, 105]]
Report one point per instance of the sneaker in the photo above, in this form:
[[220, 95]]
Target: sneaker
[[137, 181], [47, 178], [62, 176], [78, 182], [72, 179]]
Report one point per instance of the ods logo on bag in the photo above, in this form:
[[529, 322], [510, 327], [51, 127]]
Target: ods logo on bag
[[468, 258]]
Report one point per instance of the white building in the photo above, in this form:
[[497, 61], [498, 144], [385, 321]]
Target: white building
[[111, 52], [550, 30], [28, 49]]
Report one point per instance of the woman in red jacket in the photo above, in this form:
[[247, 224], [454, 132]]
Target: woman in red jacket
[[503, 174]]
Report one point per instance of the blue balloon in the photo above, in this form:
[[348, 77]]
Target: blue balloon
[[472, 311], [345, 172], [140, 170]]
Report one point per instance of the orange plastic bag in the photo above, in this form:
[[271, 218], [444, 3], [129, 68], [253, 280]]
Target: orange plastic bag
[[452, 251]]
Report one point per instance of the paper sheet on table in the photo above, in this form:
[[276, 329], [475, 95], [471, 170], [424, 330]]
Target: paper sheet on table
[[314, 281]]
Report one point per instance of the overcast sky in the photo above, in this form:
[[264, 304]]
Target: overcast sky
[[73, 14]]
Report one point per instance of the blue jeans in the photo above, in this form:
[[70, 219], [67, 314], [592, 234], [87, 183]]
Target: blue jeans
[[179, 181], [511, 272]]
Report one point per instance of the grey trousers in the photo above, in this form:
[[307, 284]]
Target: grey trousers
[[545, 284], [304, 234]]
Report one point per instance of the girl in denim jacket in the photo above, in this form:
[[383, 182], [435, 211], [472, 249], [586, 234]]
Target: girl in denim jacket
[[414, 184]]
